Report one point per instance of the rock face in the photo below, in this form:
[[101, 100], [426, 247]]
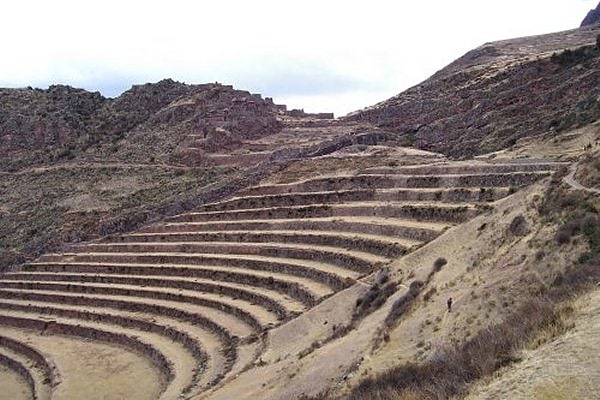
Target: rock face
[[40, 126], [592, 17], [497, 94]]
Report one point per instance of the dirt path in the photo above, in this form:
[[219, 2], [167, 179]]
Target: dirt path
[[570, 180]]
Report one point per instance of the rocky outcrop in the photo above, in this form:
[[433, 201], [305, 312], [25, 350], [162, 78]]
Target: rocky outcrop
[[146, 122], [592, 17]]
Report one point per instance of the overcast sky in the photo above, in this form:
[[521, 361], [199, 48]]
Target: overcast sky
[[318, 55]]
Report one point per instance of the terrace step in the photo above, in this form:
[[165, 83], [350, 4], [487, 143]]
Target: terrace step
[[456, 195], [345, 258], [19, 364], [407, 232], [253, 315], [182, 350], [87, 367], [305, 291], [228, 326], [331, 275], [44, 373], [211, 351], [383, 246], [199, 332], [429, 211], [464, 168], [384, 181], [170, 358], [13, 384]]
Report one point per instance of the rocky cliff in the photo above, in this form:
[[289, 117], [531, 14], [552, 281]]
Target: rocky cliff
[[592, 17]]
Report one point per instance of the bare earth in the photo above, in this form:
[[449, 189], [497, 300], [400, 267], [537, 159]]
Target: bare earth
[[92, 370], [13, 387]]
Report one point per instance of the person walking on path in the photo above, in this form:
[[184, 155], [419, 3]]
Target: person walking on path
[[449, 303]]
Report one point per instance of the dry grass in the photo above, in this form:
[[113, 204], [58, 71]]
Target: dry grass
[[588, 173], [44, 208], [540, 316], [450, 371]]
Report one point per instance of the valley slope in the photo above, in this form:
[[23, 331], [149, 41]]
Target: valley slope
[[201, 242]]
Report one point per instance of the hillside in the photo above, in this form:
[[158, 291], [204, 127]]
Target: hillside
[[201, 242], [151, 122], [497, 94], [75, 165]]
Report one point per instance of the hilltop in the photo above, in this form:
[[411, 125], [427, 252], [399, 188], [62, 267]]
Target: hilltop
[[148, 122], [592, 17]]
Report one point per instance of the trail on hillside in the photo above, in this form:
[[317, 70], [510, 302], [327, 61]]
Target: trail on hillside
[[570, 180]]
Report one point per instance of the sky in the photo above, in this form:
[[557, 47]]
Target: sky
[[326, 55]]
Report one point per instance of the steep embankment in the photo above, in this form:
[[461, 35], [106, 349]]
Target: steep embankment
[[498, 93]]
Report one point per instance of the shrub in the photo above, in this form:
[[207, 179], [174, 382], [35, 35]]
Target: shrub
[[585, 257], [439, 263], [373, 299], [569, 57], [429, 294], [437, 267], [518, 226], [562, 237], [403, 303]]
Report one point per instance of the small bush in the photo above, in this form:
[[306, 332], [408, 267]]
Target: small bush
[[562, 237], [403, 303], [569, 57], [429, 294], [439, 263], [373, 299], [518, 226], [585, 257], [437, 267], [589, 224]]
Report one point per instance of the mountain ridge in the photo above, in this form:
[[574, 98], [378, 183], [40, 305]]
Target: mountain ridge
[[481, 102]]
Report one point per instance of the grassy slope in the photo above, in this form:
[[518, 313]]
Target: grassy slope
[[501, 291], [75, 165], [44, 207], [563, 368]]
